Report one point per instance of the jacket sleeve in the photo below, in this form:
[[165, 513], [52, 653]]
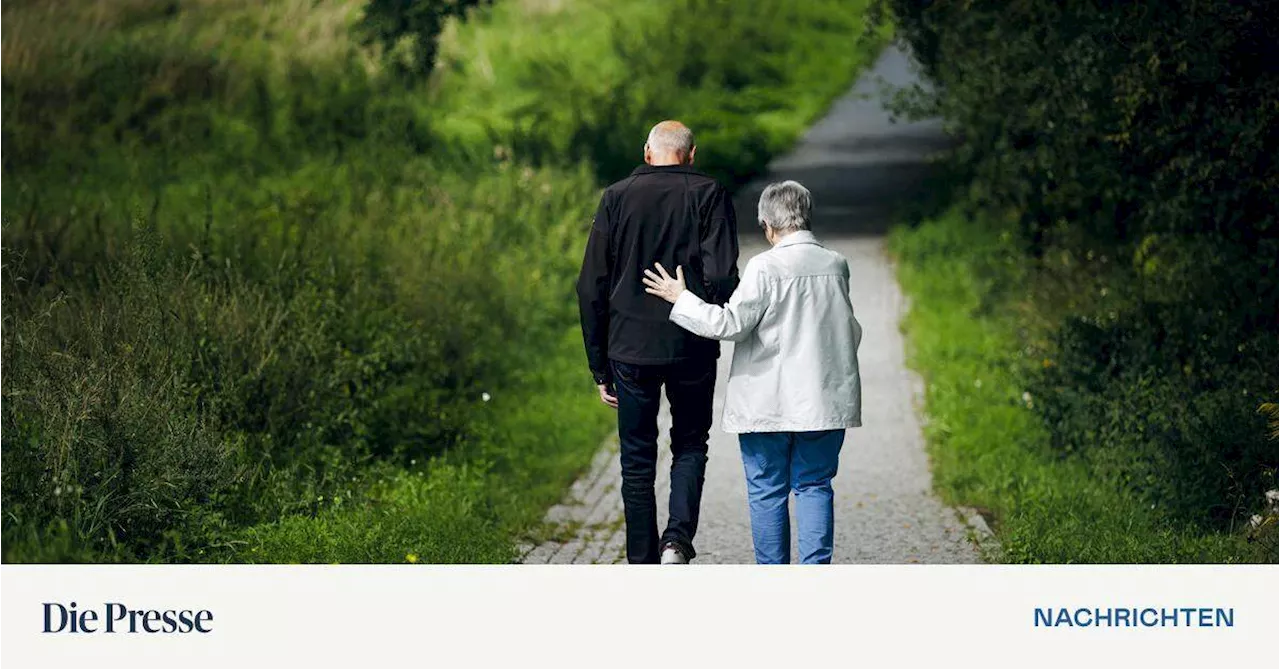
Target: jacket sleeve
[[593, 293], [857, 327], [720, 248], [734, 321]]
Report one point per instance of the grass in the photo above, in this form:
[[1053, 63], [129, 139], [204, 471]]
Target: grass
[[460, 507], [264, 301], [982, 332]]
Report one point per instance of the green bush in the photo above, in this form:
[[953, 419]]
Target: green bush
[[1129, 152], [1179, 427], [408, 31], [1101, 467], [1119, 119]]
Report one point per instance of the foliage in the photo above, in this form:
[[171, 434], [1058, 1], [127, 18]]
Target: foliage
[[746, 88], [1272, 411], [1120, 119], [1127, 151], [390, 22], [979, 335]]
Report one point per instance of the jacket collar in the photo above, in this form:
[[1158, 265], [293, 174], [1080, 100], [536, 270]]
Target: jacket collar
[[798, 237], [665, 169]]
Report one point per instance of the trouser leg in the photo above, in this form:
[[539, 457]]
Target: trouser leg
[[639, 392], [690, 388], [766, 462], [815, 457]]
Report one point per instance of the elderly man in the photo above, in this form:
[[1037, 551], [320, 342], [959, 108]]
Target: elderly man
[[794, 386], [665, 211]]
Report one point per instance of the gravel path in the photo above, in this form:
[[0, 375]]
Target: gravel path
[[859, 166]]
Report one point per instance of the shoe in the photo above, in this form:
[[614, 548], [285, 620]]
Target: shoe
[[671, 554]]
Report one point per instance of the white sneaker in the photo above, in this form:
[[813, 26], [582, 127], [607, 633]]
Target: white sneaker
[[672, 555]]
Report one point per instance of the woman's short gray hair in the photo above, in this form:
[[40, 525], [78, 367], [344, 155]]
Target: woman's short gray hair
[[785, 207]]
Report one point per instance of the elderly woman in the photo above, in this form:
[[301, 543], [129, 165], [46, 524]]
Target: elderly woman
[[794, 385]]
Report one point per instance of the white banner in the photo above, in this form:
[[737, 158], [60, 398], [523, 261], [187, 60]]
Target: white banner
[[516, 616]]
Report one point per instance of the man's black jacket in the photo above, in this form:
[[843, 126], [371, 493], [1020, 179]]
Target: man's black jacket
[[674, 215]]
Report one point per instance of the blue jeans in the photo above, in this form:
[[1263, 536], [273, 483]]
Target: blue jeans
[[777, 464]]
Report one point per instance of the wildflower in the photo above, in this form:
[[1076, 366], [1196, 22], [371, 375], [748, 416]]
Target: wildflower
[[1255, 520], [411, 558], [485, 397], [1273, 497], [1026, 397]]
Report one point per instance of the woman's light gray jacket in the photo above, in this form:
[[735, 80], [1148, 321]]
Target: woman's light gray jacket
[[795, 358]]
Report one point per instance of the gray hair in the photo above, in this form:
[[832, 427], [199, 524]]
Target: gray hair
[[671, 137], [785, 207]]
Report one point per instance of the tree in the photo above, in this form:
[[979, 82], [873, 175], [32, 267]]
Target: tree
[[390, 23]]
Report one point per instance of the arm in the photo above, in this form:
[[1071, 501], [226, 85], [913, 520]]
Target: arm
[[732, 322], [593, 299], [719, 248], [857, 327]]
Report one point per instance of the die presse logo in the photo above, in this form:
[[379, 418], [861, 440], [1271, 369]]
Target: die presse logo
[[116, 618]]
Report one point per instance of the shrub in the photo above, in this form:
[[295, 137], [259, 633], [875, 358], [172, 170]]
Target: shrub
[[390, 23], [1112, 464], [1118, 119], [1179, 427], [1131, 147]]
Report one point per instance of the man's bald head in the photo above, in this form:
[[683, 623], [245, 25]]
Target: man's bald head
[[670, 143]]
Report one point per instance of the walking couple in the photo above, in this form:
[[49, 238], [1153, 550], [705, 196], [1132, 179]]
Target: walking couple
[[793, 387]]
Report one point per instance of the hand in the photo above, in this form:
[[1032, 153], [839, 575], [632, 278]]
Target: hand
[[662, 284], [606, 395]]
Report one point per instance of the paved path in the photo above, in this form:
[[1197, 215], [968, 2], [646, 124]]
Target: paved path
[[859, 166]]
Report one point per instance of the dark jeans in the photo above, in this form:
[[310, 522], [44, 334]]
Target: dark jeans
[[690, 387]]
